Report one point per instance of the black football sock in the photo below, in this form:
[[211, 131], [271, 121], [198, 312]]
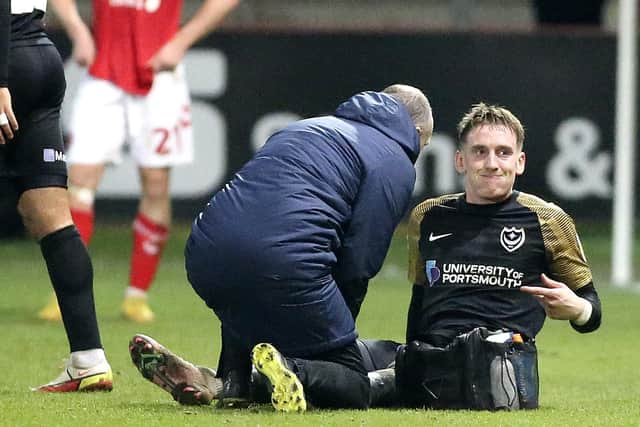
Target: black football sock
[[71, 274]]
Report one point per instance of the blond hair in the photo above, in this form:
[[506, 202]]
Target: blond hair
[[485, 114]]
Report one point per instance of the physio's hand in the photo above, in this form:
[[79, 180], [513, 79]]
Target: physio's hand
[[84, 48], [167, 58], [8, 122], [558, 301]]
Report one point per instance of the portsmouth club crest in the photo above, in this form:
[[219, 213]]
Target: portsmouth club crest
[[511, 238], [433, 272]]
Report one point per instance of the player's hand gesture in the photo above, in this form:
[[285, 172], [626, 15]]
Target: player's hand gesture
[[167, 58], [558, 301], [8, 122]]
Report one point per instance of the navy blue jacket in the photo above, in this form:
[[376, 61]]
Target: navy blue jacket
[[315, 208]]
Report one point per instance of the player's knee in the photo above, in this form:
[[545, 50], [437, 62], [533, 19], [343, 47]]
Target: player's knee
[[156, 194], [29, 220], [377, 354], [156, 203], [42, 219], [155, 183], [81, 196], [37, 227]]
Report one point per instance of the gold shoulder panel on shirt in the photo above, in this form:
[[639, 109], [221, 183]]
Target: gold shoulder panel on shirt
[[416, 272], [565, 255]]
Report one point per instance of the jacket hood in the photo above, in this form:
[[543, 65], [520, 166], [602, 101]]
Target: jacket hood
[[387, 115]]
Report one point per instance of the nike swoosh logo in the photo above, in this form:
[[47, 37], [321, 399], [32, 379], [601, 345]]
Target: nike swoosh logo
[[82, 373], [434, 237]]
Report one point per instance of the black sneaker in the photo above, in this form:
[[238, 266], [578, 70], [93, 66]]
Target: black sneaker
[[235, 390]]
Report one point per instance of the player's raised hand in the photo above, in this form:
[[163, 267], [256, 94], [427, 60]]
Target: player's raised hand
[[558, 301], [8, 122]]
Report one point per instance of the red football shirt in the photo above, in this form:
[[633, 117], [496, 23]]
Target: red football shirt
[[127, 34]]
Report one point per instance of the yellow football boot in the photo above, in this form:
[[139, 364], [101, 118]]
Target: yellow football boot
[[51, 311], [137, 309], [95, 378], [287, 393]]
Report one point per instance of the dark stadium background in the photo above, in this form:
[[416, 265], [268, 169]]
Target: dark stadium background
[[559, 81]]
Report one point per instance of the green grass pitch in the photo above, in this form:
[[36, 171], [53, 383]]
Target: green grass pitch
[[586, 380]]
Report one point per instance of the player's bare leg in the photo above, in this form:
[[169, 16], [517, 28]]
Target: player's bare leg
[[150, 230]]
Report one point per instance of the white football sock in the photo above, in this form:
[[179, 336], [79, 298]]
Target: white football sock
[[87, 358], [135, 292]]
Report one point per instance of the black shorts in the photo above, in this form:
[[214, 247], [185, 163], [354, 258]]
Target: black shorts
[[35, 157]]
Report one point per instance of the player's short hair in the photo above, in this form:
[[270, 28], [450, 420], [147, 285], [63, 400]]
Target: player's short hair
[[414, 100], [485, 114]]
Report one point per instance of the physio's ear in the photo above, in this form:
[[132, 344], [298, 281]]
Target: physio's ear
[[460, 166], [424, 139]]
